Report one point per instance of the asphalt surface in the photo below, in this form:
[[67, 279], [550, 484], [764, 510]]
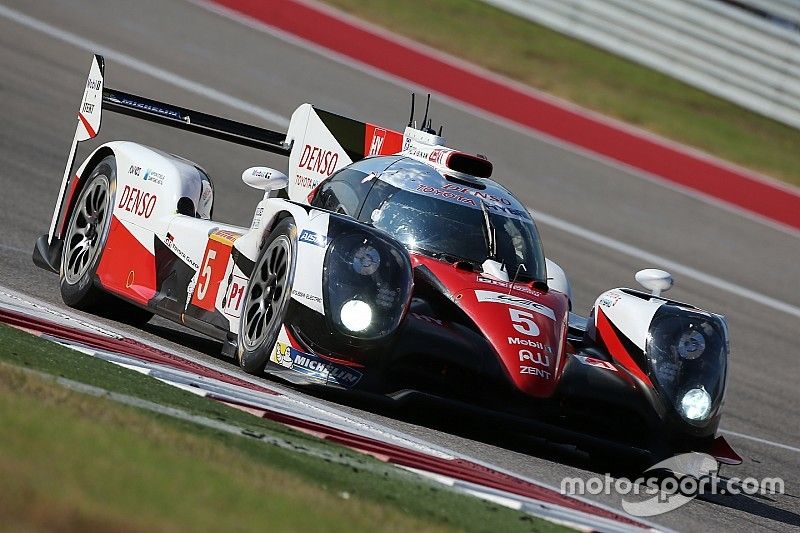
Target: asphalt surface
[[41, 82]]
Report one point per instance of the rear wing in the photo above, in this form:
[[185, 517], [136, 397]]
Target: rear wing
[[98, 98], [317, 142]]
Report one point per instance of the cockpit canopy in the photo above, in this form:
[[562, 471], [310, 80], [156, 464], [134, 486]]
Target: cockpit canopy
[[450, 216]]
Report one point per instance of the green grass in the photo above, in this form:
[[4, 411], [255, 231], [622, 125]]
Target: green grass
[[71, 461], [588, 76]]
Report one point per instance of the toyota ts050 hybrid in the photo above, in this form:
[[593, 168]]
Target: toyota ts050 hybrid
[[385, 263]]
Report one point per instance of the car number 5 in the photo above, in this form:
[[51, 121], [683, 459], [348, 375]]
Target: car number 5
[[205, 275], [523, 322]]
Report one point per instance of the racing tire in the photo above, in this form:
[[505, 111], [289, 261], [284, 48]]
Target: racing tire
[[267, 298], [84, 241]]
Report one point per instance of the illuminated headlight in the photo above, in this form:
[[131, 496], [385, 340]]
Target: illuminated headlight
[[356, 315], [366, 260], [696, 404], [691, 344], [367, 281]]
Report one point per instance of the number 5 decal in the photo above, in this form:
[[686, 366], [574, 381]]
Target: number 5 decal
[[209, 277], [205, 275], [523, 322]]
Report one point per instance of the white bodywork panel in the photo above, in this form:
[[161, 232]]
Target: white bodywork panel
[[316, 154], [630, 314]]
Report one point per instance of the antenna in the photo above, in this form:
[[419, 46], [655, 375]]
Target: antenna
[[516, 275], [427, 106], [411, 118], [441, 127]]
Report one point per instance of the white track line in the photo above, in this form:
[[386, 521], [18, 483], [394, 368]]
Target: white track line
[[279, 120], [762, 441], [270, 116], [143, 67]]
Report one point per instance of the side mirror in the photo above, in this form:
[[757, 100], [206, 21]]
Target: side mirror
[[265, 178], [654, 280]]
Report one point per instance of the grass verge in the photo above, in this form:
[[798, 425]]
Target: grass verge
[[70, 461], [573, 70]]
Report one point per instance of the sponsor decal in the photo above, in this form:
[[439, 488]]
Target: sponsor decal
[[305, 181], [313, 367], [476, 193], [436, 156], [232, 303], [94, 85], [224, 236], [150, 108], [257, 218], [154, 177], [535, 358], [508, 285], [170, 243], [135, 170], [516, 341], [610, 299], [319, 160], [435, 191], [533, 371], [306, 296], [205, 195], [87, 107], [509, 299], [310, 237], [599, 363], [137, 202], [378, 137]]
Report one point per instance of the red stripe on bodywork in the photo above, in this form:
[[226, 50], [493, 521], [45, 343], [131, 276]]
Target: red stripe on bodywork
[[89, 128], [127, 268], [505, 98], [616, 348]]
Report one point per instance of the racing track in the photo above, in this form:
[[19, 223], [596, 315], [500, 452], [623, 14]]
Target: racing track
[[41, 78]]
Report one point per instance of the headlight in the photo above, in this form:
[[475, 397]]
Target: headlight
[[356, 315], [367, 281], [696, 404], [687, 351]]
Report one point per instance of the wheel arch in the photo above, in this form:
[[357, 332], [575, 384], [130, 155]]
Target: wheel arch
[[82, 174]]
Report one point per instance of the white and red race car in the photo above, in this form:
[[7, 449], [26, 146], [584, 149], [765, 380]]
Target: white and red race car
[[394, 265]]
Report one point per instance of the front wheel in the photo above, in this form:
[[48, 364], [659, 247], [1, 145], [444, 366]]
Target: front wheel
[[85, 240], [267, 297]]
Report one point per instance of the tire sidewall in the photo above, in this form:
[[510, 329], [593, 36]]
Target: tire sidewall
[[254, 360], [74, 294]]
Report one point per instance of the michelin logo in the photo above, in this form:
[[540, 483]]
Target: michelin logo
[[313, 367]]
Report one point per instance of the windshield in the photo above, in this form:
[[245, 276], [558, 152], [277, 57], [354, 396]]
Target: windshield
[[453, 231]]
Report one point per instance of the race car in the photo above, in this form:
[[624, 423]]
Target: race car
[[382, 262]]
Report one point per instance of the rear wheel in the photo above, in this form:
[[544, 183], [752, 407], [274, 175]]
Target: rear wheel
[[267, 297], [86, 235]]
